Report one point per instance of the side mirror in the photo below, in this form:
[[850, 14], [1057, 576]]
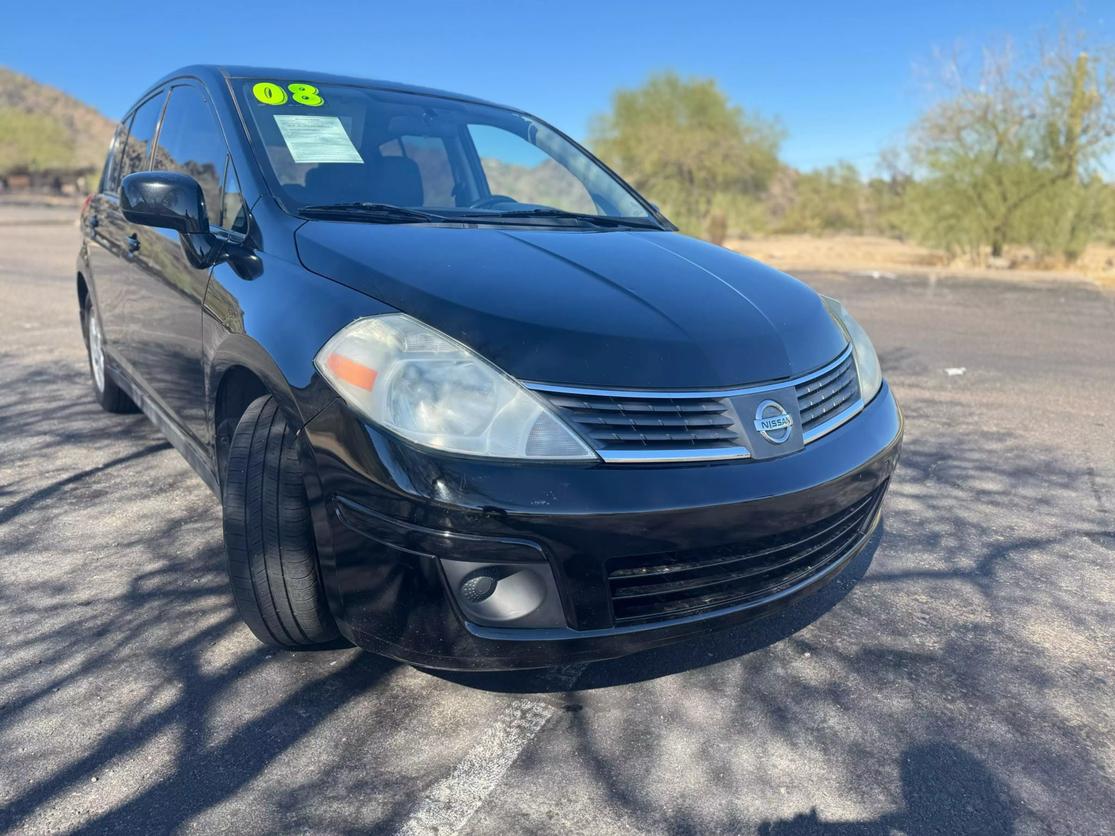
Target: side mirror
[[165, 199]]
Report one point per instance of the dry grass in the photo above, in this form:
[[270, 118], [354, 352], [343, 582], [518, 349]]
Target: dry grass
[[864, 253]]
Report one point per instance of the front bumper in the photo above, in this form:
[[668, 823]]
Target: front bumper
[[386, 514]]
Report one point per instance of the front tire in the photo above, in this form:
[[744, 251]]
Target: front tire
[[272, 555]]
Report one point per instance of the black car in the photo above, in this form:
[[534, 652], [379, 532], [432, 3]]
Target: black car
[[468, 399]]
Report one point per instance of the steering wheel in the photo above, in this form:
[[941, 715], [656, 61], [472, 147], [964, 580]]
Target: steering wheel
[[490, 201]]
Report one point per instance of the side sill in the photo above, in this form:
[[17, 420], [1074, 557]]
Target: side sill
[[186, 446]]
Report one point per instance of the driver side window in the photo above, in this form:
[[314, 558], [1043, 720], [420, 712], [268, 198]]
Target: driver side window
[[190, 142], [525, 173]]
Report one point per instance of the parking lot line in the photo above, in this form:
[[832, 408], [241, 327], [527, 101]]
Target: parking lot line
[[451, 802]]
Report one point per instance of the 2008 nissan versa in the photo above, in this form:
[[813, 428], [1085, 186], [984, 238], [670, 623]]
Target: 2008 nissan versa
[[467, 398]]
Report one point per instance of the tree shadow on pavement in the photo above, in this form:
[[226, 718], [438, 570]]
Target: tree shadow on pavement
[[132, 698], [944, 789], [174, 627]]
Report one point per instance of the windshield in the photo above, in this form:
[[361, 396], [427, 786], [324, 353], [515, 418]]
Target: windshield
[[332, 146]]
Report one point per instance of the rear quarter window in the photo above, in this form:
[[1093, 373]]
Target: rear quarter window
[[110, 175]]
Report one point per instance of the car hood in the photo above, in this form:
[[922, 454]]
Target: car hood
[[614, 308]]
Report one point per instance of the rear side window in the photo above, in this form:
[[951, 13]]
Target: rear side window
[[190, 142], [142, 132], [110, 175]]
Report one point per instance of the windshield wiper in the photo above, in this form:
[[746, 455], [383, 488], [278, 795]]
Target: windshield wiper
[[375, 212], [599, 220]]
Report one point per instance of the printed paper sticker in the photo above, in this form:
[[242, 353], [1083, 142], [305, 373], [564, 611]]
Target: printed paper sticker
[[317, 139]]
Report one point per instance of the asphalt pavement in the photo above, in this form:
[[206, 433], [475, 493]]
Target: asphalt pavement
[[959, 677]]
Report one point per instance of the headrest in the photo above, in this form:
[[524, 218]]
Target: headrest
[[397, 181], [337, 183]]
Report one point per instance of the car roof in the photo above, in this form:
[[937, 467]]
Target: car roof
[[223, 72]]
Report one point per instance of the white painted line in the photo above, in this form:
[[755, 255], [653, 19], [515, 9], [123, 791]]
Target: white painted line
[[953, 372], [452, 801]]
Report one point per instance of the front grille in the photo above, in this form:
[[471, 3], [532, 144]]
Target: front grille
[[633, 423], [827, 395], [630, 426], [660, 587]]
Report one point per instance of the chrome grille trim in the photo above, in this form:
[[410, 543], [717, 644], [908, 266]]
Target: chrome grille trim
[[831, 424], [710, 454], [640, 394], [836, 381], [835, 391]]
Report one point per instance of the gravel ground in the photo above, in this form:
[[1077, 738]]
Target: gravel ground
[[957, 679]]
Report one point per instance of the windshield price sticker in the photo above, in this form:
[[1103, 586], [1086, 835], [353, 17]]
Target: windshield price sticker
[[269, 93], [317, 139]]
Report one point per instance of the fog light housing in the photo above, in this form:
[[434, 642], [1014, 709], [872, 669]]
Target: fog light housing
[[505, 594]]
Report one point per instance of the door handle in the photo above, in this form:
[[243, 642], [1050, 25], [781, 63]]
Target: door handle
[[133, 243]]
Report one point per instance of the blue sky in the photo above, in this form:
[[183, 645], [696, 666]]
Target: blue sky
[[843, 77]]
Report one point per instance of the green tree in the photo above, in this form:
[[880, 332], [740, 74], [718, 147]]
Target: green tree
[[1107, 213], [1011, 151], [32, 142], [681, 142], [1067, 218], [826, 200]]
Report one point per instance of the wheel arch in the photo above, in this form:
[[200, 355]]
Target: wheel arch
[[83, 273], [84, 294], [236, 390], [82, 290], [241, 371]]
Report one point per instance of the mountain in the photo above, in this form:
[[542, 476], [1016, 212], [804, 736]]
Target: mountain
[[87, 129], [546, 183]]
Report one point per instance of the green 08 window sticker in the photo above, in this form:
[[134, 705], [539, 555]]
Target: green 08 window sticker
[[270, 93]]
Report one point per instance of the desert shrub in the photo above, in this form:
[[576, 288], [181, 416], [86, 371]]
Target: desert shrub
[[682, 144]]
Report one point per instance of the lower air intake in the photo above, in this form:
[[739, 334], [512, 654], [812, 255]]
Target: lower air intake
[[674, 585]]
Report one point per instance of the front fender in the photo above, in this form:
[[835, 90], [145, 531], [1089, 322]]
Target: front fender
[[273, 325]]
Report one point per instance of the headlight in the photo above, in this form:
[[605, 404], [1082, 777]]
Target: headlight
[[867, 361], [432, 390]]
